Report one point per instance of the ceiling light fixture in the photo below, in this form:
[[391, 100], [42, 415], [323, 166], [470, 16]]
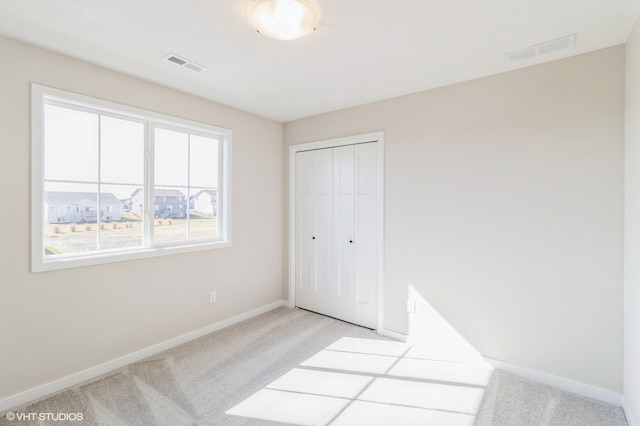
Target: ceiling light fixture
[[283, 19]]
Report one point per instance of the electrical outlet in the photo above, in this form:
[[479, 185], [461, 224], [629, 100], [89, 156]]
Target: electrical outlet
[[411, 306], [213, 297]]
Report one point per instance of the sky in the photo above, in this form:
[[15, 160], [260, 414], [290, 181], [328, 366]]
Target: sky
[[84, 147]]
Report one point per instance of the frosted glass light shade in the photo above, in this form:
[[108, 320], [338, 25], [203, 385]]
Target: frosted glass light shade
[[283, 19]]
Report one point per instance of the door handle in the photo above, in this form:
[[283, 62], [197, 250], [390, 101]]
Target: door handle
[[350, 241]]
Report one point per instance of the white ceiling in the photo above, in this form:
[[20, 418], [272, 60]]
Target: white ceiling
[[362, 51]]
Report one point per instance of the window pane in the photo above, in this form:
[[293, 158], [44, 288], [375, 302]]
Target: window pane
[[170, 206], [71, 144], [122, 151], [171, 158], [70, 218], [204, 161], [203, 214], [122, 226]]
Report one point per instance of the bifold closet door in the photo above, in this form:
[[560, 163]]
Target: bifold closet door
[[336, 259], [314, 221]]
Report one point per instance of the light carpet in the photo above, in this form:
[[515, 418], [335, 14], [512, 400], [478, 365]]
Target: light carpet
[[291, 366]]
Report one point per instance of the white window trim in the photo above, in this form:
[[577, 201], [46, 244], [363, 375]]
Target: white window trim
[[39, 262]]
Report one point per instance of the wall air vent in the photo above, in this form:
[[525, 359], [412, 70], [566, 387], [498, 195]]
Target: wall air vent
[[184, 62], [562, 43]]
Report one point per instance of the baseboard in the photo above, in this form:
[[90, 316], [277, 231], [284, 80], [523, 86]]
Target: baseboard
[[393, 335], [568, 385], [631, 420], [98, 370]]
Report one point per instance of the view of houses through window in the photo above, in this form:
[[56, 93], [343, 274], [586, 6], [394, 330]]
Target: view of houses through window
[[96, 180]]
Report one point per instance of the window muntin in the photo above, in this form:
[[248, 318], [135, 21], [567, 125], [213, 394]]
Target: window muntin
[[99, 163]]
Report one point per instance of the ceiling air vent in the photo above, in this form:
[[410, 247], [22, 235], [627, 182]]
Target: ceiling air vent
[[562, 43], [184, 62]]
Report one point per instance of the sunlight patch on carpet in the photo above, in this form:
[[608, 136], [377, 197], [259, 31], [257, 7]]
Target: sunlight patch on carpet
[[290, 407], [460, 399], [323, 383], [371, 382], [367, 413], [349, 361], [443, 371]]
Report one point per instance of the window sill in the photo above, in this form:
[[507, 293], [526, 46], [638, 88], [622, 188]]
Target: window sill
[[120, 256]]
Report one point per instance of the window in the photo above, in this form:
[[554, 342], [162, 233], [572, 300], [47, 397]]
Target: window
[[112, 182]]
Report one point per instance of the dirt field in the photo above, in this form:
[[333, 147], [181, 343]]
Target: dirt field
[[79, 238]]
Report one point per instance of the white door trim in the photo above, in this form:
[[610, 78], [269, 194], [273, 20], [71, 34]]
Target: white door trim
[[331, 143]]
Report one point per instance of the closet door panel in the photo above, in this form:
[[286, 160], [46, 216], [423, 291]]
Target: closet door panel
[[313, 231], [343, 228], [304, 217], [322, 229], [366, 235]]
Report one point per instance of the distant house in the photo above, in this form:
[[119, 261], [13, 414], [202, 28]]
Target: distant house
[[205, 201], [71, 207], [137, 202], [168, 203], [126, 204]]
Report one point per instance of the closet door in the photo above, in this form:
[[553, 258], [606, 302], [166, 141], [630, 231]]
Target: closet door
[[366, 235], [336, 259], [343, 232], [313, 231]]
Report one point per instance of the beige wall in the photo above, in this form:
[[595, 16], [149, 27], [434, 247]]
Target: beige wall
[[504, 209], [632, 229], [56, 323]]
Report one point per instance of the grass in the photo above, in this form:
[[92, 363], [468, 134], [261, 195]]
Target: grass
[[198, 215], [130, 217], [59, 239]]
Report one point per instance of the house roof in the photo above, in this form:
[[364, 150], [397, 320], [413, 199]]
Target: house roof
[[169, 193], [162, 193], [69, 197], [212, 192]]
